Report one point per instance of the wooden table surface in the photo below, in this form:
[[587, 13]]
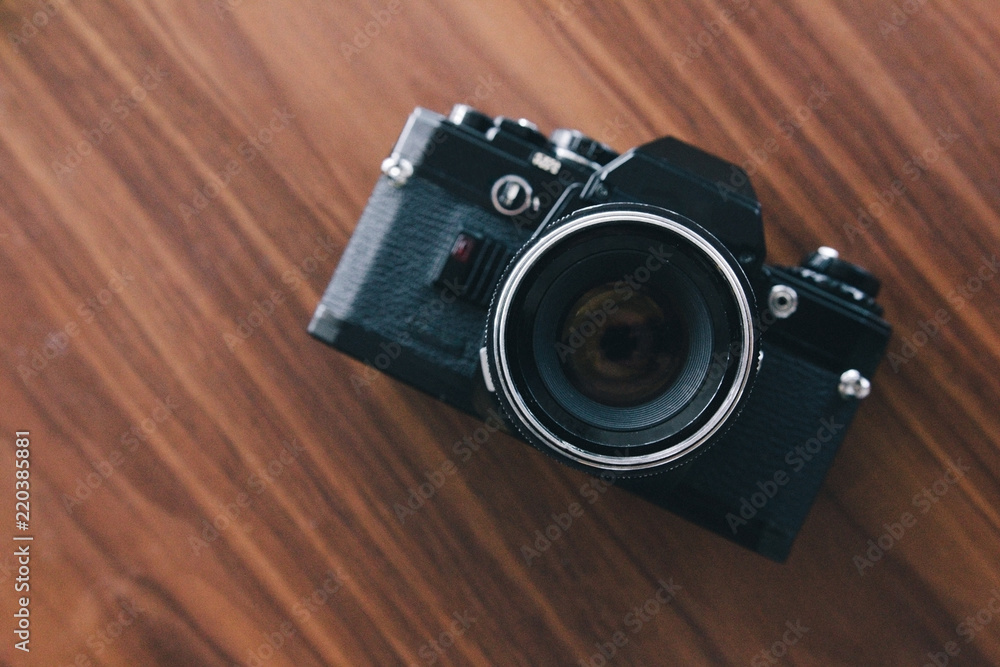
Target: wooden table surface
[[209, 486]]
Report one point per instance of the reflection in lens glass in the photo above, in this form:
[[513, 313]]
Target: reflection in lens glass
[[622, 349]]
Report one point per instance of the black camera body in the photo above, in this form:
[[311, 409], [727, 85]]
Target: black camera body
[[615, 311]]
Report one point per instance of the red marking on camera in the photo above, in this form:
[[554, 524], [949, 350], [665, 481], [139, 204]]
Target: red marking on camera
[[462, 250]]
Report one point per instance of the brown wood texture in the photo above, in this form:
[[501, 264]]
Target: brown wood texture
[[198, 498]]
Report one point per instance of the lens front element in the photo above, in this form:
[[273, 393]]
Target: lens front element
[[624, 354]]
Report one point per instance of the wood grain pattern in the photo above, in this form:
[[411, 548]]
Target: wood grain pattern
[[197, 495]]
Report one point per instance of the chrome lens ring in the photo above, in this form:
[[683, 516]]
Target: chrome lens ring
[[658, 220]]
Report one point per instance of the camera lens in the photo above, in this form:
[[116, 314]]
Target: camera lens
[[615, 333], [625, 354], [622, 338]]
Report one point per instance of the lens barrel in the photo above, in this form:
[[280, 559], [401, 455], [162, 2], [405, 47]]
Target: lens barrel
[[622, 338]]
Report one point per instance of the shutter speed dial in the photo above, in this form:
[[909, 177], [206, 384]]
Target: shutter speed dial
[[574, 144], [569, 144], [523, 129], [463, 114]]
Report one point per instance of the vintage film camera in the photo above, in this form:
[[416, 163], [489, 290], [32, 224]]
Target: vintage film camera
[[615, 311]]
